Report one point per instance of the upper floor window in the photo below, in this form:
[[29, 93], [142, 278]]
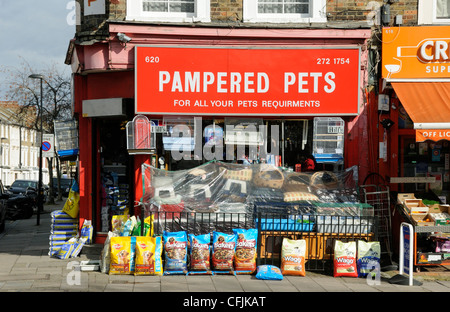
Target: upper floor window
[[442, 10], [434, 12], [169, 10], [169, 6], [285, 11]]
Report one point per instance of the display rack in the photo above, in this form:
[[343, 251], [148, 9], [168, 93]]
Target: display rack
[[422, 257]]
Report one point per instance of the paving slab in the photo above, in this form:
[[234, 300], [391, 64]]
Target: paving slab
[[249, 283], [226, 283], [147, 287], [305, 284]]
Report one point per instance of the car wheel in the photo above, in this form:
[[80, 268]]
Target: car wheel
[[2, 226]]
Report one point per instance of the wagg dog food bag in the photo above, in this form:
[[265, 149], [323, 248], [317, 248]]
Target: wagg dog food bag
[[369, 254], [148, 256], [224, 246], [200, 247], [245, 255], [345, 259], [122, 255], [293, 253], [175, 252]]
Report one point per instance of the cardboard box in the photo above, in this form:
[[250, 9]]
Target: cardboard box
[[421, 219], [437, 208], [429, 258], [441, 218], [413, 203], [402, 196]]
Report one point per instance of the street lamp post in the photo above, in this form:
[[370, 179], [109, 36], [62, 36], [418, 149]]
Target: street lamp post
[[40, 188]]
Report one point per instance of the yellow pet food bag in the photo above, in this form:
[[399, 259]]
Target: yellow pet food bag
[[148, 256], [122, 255]]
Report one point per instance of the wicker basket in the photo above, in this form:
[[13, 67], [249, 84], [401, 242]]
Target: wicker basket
[[242, 174], [324, 179], [298, 178], [269, 176]]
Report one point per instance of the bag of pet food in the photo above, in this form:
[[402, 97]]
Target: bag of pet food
[[65, 251], [175, 252], [148, 256], [72, 204], [148, 228], [345, 259], [224, 246], [118, 223], [78, 246], [369, 254], [122, 255], [200, 246], [105, 257], [87, 231], [269, 272], [245, 255], [293, 253], [128, 226]]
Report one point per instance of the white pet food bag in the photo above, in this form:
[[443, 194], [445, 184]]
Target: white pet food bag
[[368, 257], [345, 259]]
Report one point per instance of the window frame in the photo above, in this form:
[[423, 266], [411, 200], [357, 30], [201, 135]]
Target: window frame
[[251, 15], [426, 14], [201, 13], [434, 13]]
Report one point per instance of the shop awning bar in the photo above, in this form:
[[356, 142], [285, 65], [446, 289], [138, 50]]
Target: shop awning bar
[[432, 125]]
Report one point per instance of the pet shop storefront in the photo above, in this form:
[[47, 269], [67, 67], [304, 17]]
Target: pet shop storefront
[[177, 98]]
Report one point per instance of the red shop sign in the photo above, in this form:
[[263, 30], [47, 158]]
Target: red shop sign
[[247, 81]]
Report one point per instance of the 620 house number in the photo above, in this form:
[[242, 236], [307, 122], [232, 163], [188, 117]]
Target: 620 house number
[[335, 61], [152, 59]]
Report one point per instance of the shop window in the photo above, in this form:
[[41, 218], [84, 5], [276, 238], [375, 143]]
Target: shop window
[[285, 11], [169, 10], [436, 13]]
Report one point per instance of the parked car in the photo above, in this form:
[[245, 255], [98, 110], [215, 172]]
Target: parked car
[[22, 186], [21, 206], [3, 198], [66, 183]]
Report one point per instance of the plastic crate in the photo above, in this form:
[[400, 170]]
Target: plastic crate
[[299, 223], [343, 224]]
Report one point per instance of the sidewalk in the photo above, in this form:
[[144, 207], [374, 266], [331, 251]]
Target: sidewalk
[[26, 267]]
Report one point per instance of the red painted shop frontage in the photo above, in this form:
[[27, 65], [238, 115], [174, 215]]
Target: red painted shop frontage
[[290, 78]]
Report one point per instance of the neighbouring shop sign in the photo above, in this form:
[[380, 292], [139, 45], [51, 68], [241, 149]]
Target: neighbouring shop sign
[[247, 81], [433, 134], [420, 52]]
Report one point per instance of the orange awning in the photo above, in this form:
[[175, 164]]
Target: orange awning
[[428, 105]]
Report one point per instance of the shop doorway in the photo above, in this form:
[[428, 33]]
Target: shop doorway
[[425, 159], [115, 174]]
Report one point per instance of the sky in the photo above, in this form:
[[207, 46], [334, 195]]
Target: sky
[[37, 31]]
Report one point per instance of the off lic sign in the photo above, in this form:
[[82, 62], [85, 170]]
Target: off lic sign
[[225, 81], [435, 135], [416, 52]]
